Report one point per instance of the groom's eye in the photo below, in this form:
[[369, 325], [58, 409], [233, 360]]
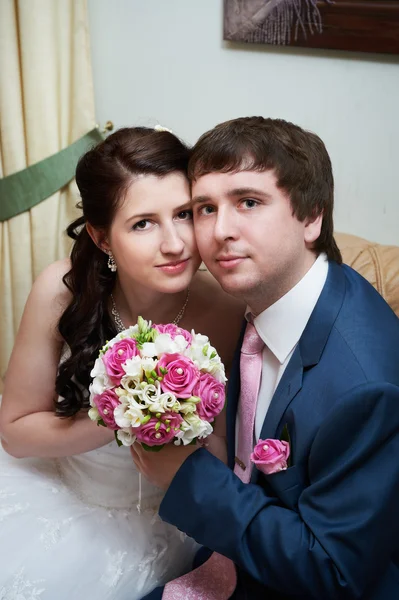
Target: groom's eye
[[206, 210], [250, 203]]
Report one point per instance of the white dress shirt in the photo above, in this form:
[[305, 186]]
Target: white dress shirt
[[280, 326]]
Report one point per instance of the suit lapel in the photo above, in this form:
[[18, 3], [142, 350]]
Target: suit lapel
[[288, 387], [308, 351], [233, 393]]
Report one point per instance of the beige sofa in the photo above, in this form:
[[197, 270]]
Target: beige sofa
[[377, 263]]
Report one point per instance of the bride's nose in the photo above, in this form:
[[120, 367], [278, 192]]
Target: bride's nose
[[172, 243]]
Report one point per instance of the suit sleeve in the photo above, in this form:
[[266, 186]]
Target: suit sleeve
[[340, 540]]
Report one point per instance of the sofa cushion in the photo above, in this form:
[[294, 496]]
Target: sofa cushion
[[379, 264]]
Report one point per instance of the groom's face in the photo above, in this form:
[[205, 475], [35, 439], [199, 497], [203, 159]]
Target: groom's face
[[248, 236]]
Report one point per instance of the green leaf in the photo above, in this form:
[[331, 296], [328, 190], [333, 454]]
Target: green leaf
[[285, 434], [101, 422], [117, 440], [193, 442], [285, 437], [152, 448], [205, 349]]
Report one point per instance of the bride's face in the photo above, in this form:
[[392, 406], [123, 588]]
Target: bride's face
[[152, 235]]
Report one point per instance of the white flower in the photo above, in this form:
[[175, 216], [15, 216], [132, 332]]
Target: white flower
[[181, 343], [101, 381], [192, 427], [98, 368], [205, 357], [148, 364], [164, 403], [164, 344], [187, 408], [199, 339], [147, 394], [131, 384], [148, 349], [132, 366], [93, 413], [216, 368], [126, 437], [160, 128], [128, 413]]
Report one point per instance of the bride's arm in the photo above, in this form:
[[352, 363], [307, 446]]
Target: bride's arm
[[28, 425]]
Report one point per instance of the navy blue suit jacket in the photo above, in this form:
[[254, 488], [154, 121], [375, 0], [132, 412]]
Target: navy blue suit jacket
[[328, 526]]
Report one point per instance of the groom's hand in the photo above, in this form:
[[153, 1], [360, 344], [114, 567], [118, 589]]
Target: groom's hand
[[160, 467]]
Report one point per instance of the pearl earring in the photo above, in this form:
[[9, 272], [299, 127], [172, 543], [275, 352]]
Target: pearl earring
[[111, 262]]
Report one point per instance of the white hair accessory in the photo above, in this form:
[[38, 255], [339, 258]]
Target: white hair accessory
[[160, 128]]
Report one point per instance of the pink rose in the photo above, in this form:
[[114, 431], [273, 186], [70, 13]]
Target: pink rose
[[173, 331], [270, 456], [116, 356], [181, 377], [106, 403], [212, 394], [163, 434]]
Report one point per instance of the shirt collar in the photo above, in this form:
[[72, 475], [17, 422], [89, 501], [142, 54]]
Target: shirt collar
[[281, 325]]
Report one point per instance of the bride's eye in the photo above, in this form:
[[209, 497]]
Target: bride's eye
[[185, 215], [141, 225]]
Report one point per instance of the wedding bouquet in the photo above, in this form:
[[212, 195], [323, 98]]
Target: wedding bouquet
[[157, 384]]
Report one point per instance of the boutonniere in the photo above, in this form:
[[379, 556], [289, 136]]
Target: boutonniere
[[271, 456]]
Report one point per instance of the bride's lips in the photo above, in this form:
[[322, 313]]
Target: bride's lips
[[176, 266]]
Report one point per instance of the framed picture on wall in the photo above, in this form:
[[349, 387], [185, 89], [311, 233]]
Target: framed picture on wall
[[357, 25]]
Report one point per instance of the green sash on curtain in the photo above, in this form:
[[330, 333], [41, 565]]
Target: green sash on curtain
[[21, 191]]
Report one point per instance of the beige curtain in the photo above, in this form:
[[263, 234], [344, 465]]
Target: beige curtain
[[46, 103]]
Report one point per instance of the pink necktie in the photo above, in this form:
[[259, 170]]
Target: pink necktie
[[216, 579], [250, 375]]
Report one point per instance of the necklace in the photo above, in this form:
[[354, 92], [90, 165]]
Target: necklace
[[119, 323]]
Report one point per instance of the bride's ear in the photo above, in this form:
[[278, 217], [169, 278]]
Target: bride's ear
[[99, 237]]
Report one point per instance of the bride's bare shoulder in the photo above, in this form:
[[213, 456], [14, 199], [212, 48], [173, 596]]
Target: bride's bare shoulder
[[49, 288]]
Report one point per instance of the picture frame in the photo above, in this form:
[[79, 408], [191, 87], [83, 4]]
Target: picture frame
[[352, 25]]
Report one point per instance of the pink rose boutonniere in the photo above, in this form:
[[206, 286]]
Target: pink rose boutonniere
[[271, 456]]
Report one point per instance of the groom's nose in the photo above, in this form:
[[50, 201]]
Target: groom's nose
[[226, 224]]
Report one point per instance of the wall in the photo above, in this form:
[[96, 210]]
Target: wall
[[165, 61]]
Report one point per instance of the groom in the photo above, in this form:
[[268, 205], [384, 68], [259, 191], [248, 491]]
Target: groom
[[324, 374]]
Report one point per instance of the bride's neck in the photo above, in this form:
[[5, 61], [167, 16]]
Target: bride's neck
[[155, 306]]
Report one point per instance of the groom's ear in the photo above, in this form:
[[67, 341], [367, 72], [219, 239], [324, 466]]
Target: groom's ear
[[99, 237], [312, 229]]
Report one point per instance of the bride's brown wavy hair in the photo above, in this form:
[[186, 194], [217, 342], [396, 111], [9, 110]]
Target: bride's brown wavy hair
[[103, 176]]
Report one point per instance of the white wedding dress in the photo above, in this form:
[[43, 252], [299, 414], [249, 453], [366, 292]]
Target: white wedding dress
[[70, 529]]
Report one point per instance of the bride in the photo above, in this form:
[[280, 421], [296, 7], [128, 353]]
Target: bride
[[70, 524]]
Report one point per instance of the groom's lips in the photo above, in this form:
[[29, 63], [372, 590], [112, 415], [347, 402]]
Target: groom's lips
[[229, 261]]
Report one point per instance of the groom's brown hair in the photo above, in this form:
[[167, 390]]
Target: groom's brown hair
[[298, 158]]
